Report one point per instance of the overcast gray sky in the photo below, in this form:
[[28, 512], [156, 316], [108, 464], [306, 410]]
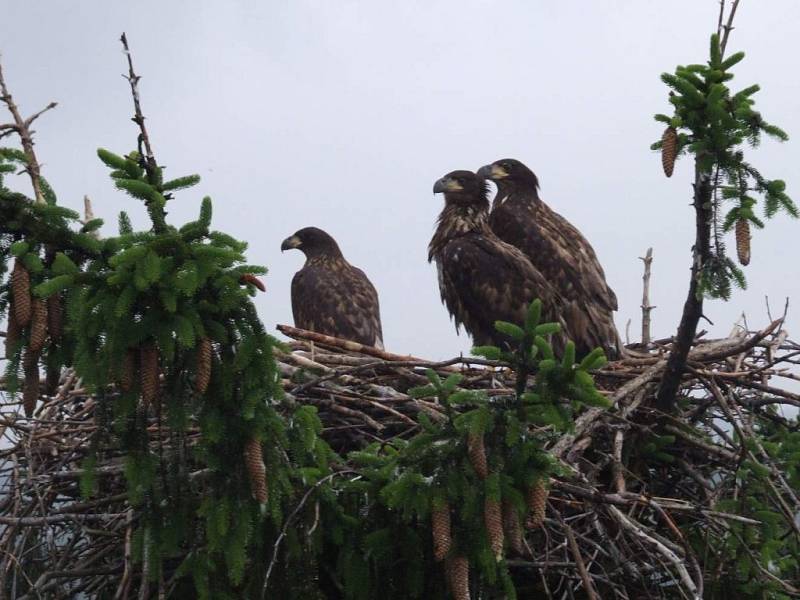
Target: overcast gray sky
[[343, 114]]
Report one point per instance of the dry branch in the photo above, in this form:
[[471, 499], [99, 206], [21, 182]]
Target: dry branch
[[361, 397], [22, 127]]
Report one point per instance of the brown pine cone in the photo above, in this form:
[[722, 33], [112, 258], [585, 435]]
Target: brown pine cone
[[513, 528], [440, 527], [21, 293], [148, 360], [127, 376], [457, 574], [743, 241], [55, 317], [476, 450], [38, 332], [252, 280], [30, 360], [493, 521], [537, 504], [13, 332], [256, 471], [202, 375], [669, 150], [30, 390]]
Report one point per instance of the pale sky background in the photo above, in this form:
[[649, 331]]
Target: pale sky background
[[343, 114]]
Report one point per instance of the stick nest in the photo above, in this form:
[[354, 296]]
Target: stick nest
[[618, 523]]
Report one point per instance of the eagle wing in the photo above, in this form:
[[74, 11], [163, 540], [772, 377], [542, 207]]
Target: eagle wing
[[337, 299], [483, 279], [567, 260]]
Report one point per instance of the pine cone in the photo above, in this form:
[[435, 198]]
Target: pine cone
[[13, 332], [127, 376], [21, 293], [669, 150], [493, 521], [38, 333], [513, 528], [440, 526], [148, 360], [202, 374], [254, 461], [55, 317], [30, 390], [252, 280], [476, 451], [457, 573], [30, 360], [743, 241], [537, 503]]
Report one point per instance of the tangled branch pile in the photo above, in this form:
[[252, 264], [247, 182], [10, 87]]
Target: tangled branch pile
[[637, 495]]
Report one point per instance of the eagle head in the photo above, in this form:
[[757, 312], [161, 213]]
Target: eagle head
[[312, 241], [509, 171], [462, 187]]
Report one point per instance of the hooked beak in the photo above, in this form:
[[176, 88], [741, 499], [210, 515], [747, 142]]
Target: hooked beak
[[492, 171], [445, 184], [291, 242]]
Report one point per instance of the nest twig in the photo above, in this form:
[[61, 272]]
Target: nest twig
[[616, 524]]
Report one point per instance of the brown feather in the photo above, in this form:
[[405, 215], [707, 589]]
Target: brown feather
[[481, 278], [331, 296], [564, 257]]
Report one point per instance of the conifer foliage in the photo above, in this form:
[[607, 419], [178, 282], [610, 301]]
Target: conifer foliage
[[463, 482], [715, 124]]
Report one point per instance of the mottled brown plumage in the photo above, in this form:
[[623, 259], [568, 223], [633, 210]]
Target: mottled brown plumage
[[331, 296], [558, 251], [481, 278]]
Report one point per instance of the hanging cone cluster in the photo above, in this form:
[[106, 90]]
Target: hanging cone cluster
[[38, 332], [256, 471], [21, 293], [30, 389], [476, 450], [743, 241], [513, 528], [202, 375], [55, 317], [537, 503], [13, 332], [457, 574], [493, 521], [148, 358], [669, 150], [30, 392], [440, 527], [127, 376]]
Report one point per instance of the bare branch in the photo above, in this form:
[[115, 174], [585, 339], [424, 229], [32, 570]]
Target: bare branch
[[646, 306], [22, 128]]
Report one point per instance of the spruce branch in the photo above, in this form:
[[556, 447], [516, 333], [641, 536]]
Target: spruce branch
[[148, 159], [725, 30], [22, 127]]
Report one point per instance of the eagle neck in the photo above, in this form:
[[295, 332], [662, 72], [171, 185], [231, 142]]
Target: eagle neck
[[522, 198], [457, 221]]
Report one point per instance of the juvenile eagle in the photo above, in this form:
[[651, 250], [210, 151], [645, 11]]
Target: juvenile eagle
[[331, 296], [559, 251], [481, 278]]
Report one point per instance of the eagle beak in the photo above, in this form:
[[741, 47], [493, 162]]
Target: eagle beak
[[445, 184], [291, 242], [492, 172]]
